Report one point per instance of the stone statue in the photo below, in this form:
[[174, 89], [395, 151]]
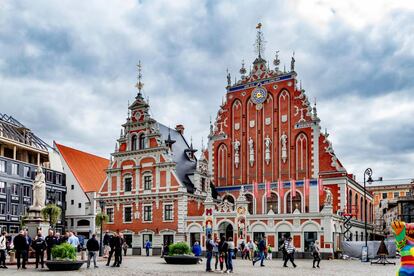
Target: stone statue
[[251, 151], [283, 142], [236, 144], [328, 197], [267, 142], [39, 190], [292, 63]]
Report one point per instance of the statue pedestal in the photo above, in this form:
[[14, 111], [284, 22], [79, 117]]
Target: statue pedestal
[[35, 223], [327, 209]]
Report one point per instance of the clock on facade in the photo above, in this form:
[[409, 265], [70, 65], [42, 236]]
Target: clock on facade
[[259, 95]]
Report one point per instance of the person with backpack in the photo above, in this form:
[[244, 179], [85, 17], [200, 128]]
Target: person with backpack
[[39, 246], [269, 252], [3, 249], [316, 253], [209, 249], [290, 252], [223, 252]]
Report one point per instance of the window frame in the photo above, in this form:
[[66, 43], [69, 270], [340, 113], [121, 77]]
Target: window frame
[[2, 166], [111, 215], [4, 208], [124, 214], [3, 190], [128, 177], [170, 212], [13, 167], [145, 182], [144, 213]]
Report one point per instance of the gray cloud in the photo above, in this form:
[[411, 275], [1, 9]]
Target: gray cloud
[[68, 69]]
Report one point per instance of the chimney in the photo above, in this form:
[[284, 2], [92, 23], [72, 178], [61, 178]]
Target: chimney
[[180, 129]]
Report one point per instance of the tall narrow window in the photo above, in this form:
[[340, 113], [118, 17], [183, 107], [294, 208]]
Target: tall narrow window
[[14, 189], [142, 141], [2, 187], [148, 213], [134, 142], [2, 166], [168, 212], [128, 184], [127, 214], [15, 169], [3, 208], [147, 182], [110, 213]]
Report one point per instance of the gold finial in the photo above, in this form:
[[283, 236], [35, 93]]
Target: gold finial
[[139, 84]]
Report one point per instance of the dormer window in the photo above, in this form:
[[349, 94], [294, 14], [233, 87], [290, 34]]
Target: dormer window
[[134, 142]]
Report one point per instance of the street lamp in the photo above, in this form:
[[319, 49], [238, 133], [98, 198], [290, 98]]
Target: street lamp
[[367, 173], [102, 205]]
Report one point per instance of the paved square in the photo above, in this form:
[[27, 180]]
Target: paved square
[[157, 266]]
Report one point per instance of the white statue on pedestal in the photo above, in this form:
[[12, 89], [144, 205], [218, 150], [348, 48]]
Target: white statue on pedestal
[[39, 190], [251, 151], [267, 142], [283, 142], [236, 144], [328, 197]]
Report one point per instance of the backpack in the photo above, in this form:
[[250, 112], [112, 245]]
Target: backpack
[[209, 246]]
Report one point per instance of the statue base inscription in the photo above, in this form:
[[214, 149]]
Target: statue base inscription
[[35, 223]]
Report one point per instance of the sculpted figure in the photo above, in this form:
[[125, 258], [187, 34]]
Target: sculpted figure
[[267, 142], [328, 196], [236, 144], [283, 143], [251, 151], [39, 190], [404, 239]]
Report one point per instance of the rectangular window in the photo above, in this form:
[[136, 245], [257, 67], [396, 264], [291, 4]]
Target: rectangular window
[[26, 171], [79, 205], [168, 212], [72, 187], [110, 213], [26, 191], [2, 166], [15, 169], [128, 184], [147, 213], [2, 187], [14, 209], [127, 214], [384, 195], [72, 202], [14, 189], [147, 182], [59, 179], [396, 194], [3, 208], [128, 239]]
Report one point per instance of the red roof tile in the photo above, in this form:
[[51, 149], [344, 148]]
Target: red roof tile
[[88, 169]]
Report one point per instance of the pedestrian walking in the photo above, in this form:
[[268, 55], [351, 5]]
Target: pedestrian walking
[[251, 247], [92, 245], [261, 256], [269, 252], [39, 246], [165, 250], [247, 253], [3, 249], [209, 253], [121, 240], [125, 247], [28, 243], [230, 254], [106, 239], [111, 249], [51, 241], [147, 247], [242, 246], [316, 252], [223, 246], [118, 250], [21, 247], [216, 253], [283, 249], [196, 249], [290, 252]]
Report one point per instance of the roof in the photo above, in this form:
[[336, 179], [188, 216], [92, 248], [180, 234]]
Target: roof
[[392, 182], [184, 166], [88, 169]]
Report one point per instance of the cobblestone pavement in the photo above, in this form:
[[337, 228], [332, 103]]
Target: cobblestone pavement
[[157, 266]]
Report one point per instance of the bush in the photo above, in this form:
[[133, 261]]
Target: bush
[[179, 248], [64, 251]]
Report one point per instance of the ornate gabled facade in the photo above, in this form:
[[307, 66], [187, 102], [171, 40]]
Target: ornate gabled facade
[[154, 180], [266, 132]]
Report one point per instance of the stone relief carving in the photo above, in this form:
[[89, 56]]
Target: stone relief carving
[[283, 143], [236, 145], [225, 206]]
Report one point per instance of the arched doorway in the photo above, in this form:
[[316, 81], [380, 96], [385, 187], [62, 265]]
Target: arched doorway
[[226, 230]]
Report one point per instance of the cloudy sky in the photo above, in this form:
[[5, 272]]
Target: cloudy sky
[[68, 68]]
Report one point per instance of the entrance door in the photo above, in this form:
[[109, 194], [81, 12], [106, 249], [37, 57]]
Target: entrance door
[[145, 238], [168, 239], [194, 237], [257, 236]]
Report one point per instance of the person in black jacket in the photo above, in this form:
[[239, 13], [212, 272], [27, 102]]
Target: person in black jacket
[[106, 239], [93, 246], [118, 250], [21, 247], [39, 246], [111, 248], [51, 241], [223, 247]]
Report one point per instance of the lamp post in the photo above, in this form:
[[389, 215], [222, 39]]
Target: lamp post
[[102, 205], [367, 179]]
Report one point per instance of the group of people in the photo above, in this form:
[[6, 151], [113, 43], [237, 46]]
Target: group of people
[[224, 251], [113, 246]]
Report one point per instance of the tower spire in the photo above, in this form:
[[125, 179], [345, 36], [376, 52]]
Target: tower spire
[[259, 40], [139, 85]]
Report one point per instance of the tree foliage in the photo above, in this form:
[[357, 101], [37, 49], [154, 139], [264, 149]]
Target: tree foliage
[[179, 248], [64, 251], [101, 218], [51, 212]]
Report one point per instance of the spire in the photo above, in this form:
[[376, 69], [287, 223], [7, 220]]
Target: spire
[[276, 61], [139, 85], [259, 45], [315, 113], [242, 69], [228, 78], [169, 142], [211, 127], [129, 112]]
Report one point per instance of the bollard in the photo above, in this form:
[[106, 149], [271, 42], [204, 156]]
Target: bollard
[[83, 255], [12, 256]]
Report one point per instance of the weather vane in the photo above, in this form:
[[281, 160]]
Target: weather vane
[[139, 84], [259, 40]]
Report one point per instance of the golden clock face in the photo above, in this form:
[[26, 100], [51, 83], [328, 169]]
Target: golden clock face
[[259, 95]]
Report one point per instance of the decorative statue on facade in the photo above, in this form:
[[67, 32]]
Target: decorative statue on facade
[[404, 239], [283, 142], [328, 197], [267, 142], [236, 144], [251, 151], [39, 190]]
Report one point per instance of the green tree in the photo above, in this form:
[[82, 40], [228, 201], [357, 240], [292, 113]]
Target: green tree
[[51, 212], [101, 218]]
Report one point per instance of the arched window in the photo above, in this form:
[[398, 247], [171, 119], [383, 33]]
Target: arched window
[[250, 206], [222, 165], [301, 156], [142, 141], [357, 208], [272, 203], [134, 142], [296, 202]]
